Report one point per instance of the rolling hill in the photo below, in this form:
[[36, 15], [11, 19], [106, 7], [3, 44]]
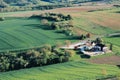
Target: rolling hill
[[21, 33], [4, 3]]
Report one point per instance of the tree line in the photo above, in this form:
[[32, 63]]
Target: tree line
[[56, 21], [44, 55], [56, 17], [30, 7], [60, 23]]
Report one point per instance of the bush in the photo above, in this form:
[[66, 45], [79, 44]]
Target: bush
[[69, 53], [2, 18], [44, 21], [68, 32]]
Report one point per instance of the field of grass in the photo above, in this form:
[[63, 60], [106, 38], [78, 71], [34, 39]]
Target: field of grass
[[116, 44], [113, 40], [64, 71], [20, 33]]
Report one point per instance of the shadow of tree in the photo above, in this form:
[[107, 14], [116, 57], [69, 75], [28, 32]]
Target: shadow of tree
[[38, 26], [117, 12], [69, 37], [85, 56], [118, 66]]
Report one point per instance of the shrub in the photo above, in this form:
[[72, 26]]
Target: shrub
[[2, 18], [47, 47], [68, 32], [67, 43], [69, 53], [44, 21]]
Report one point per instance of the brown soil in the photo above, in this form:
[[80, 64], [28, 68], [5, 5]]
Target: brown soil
[[113, 60]]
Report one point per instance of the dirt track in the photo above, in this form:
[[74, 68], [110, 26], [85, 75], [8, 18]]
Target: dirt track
[[114, 60]]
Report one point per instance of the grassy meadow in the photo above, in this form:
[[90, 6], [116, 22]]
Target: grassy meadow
[[116, 43], [113, 40], [24, 33], [65, 71]]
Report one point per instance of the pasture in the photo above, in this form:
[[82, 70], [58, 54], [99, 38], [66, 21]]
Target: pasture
[[113, 40], [65, 71], [24, 33], [116, 43]]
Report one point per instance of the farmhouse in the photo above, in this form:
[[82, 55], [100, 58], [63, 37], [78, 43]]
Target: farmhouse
[[91, 48], [97, 49]]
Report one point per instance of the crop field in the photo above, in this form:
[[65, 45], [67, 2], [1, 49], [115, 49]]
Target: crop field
[[20, 33], [64, 71], [98, 22]]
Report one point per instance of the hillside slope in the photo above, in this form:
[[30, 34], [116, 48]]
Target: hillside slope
[[4, 3], [64, 71]]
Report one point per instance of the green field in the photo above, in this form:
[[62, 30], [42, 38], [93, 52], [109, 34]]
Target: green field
[[113, 40], [22, 33], [64, 71], [116, 43]]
